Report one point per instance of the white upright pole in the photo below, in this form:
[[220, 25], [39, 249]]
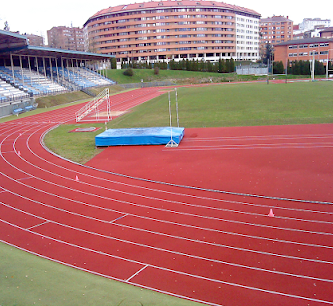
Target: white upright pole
[[313, 67], [177, 107], [171, 143], [170, 114]]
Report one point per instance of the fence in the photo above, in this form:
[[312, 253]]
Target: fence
[[146, 84], [247, 70]]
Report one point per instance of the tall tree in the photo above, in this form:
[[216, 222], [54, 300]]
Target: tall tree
[[269, 54]]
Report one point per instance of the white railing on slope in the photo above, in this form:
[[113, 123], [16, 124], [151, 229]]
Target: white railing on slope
[[103, 96]]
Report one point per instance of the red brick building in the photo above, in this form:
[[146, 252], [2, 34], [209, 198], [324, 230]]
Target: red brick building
[[304, 49]]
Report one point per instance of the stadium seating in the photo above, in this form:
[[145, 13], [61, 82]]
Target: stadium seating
[[18, 83], [30, 82], [80, 77], [10, 93]]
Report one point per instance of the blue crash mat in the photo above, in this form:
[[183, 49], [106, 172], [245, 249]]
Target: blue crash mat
[[139, 136]]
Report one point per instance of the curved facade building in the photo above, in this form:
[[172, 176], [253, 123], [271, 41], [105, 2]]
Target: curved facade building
[[164, 30]]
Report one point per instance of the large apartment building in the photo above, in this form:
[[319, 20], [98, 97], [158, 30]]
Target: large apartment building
[[68, 38], [169, 29], [275, 30]]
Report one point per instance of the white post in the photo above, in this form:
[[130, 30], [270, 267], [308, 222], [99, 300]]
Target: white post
[[30, 70], [20, 57], [171, 143], [12, 64], [313, 67], [177, 107]]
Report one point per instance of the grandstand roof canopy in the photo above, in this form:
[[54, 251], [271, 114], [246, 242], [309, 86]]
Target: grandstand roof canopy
[[13, 43]]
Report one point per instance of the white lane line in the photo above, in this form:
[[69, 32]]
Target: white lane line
[[118, 218], [181, 253], [166, 222], [151, 189], [167, 210], [174, 271], [135, 274], [37, 225]]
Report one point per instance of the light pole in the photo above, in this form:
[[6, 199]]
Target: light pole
[[327, 63]]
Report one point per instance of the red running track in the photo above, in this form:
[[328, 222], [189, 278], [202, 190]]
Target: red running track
[[206, 246]]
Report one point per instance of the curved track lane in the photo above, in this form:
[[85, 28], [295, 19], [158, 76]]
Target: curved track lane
[[209, 247]]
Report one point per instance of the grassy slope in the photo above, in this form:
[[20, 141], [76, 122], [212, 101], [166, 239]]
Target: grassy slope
[[26, 279], [184, 77], [178, 76]]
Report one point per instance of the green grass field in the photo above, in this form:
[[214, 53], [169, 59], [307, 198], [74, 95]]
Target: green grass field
[[26, 279]]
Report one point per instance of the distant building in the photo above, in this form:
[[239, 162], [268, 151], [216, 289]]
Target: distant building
[[275, 30], [327, 32], [68, 38], [304, 49], [35, 40], [309, 24]]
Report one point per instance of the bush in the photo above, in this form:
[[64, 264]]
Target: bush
[[129, 72], [156, 70]]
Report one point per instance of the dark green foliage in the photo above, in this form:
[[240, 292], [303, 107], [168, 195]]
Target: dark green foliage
[[303, 68], [278, 67], [129, 72], [113, 63], [222, 66]]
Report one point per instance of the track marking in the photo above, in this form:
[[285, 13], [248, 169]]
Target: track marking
[[168, 210], [37, 225], [176, 272], [118, 218], [171, 251], [135, 274]]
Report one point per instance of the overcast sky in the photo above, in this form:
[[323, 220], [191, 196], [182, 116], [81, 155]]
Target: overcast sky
[[37, 16]]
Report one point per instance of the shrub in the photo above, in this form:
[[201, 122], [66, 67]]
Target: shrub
[[129, 72]]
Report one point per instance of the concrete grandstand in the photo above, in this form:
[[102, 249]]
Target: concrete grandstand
[[29, 71]]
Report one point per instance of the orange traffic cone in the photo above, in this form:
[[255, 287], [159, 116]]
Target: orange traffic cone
[[271, 214], [76, 178]]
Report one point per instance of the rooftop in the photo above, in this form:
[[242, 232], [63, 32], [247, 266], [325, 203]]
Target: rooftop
[[173, 3], [306, 41], [13, 43], [275, 19]]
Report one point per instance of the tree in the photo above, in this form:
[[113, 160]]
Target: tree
[[113, 63], [319, 68], [278, 67], [269, 54]]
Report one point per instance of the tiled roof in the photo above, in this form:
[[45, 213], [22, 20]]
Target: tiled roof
[[173, 3]]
